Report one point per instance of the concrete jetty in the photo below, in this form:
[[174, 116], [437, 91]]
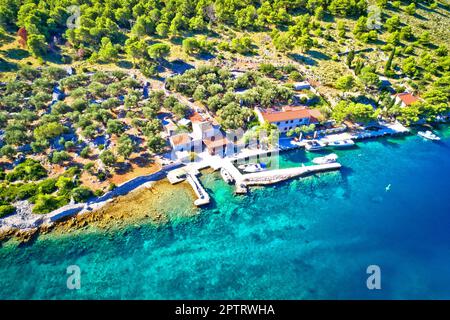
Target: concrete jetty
[[275, 176], [272, 176], [202, 195], [190, 175]]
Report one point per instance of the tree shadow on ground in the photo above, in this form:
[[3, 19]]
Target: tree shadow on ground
[[318, 55], [17, 54], [56, 57], [443, 7], [142, 160], [420, 17], [176, 40], [302, 59], [205, 56], [122, 168], [431, 46], [6, 66], [178, 66], [124, 64], [429, 10], [328, 18], [6, 38]]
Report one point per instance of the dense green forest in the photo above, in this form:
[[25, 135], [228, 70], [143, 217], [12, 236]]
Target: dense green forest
[[104, 31], [316, 33]]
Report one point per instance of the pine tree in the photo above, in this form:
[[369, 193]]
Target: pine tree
[[358, 66], [350, 58], [388, 66]]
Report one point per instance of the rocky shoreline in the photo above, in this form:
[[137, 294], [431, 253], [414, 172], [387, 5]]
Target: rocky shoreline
[[146, 203], [24, 224]]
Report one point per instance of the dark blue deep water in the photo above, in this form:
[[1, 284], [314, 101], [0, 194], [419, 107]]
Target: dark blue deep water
[[309, 238]]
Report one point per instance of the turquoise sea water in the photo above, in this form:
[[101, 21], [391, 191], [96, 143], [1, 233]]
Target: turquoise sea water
[[309, 238]]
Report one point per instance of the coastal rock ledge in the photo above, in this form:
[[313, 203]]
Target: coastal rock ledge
[[24, 223]]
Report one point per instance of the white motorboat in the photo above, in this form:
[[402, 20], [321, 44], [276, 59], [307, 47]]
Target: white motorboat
[[342, 143], [253, 167], [314, 145], [327, 159], [226, 176], [428, 135]]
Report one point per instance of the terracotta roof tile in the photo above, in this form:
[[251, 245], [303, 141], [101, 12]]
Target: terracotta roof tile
[[407, 98], [287, 113], [180, 139], [196, 117]]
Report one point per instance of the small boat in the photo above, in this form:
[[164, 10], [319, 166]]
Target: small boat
[[342, 143], [428, 135], [253, 167], [226, 176], [327, 159], [314, 145]]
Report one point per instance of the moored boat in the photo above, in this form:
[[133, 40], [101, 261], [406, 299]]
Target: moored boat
[[314, 145], [253, 167], [327, 159], [226, 176], [342, 143], [429, 135]]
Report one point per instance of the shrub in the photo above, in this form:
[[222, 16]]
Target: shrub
[[48, 203], [48, 131], [112, 186], [47, 186], [65, 185], [6, 209], [98, 193], [59, 157], [85, 152], [26, 191], [28, 170], [81, 194], [89, 166]]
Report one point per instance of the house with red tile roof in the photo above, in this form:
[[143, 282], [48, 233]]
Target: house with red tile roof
[[405, 99], [181, 142], [205, 136], [196, 117], [287, 117]]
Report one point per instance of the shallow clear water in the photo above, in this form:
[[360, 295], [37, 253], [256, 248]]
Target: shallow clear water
[[307, 238]]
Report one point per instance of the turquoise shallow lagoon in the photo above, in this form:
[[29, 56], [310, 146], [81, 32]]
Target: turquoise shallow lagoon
[[309, 238]]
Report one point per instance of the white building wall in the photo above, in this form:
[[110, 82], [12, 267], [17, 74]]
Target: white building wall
[[202, 130], [285, 126]]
